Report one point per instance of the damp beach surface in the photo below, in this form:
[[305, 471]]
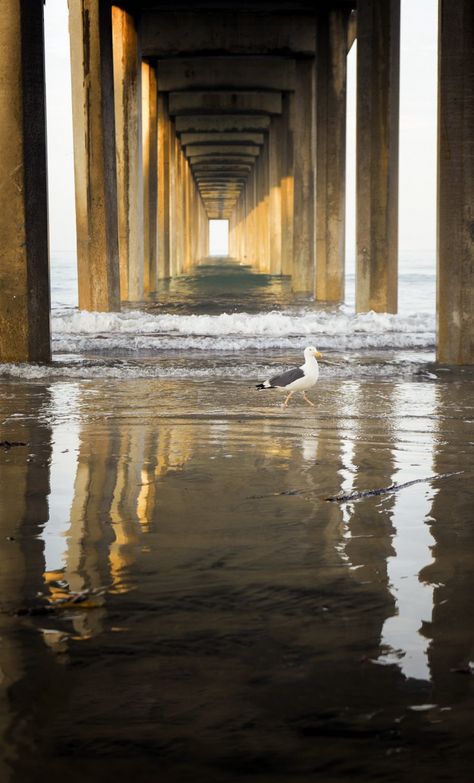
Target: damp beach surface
[[240, 626], [179, 601]]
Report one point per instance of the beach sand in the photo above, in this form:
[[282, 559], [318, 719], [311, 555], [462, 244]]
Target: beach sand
[[250, 629]]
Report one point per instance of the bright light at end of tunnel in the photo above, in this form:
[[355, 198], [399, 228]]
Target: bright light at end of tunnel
[[218, 237]]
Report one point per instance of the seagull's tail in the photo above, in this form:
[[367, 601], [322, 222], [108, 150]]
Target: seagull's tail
[[265, 385]]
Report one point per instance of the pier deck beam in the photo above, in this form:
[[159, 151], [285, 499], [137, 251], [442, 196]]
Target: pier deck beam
[[90, 29], [24, 276], [378, 67], [331, 154], [456, 183]]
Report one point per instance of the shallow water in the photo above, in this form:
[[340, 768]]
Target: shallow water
[[245, 626], [250, 629]]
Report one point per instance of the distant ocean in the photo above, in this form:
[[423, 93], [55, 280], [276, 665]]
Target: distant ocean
[[198, 322]]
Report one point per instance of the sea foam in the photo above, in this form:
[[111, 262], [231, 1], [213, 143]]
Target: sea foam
[[78, 331]]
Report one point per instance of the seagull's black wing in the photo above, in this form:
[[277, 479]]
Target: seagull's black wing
[[287, 377]]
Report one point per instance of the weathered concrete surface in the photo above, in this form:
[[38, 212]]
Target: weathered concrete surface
[[228, 168], [378, 67], [331, 155], [223, 33], [127, 84], [219, 102], [287, 188], [224, 150], [24, 275], [215, 179], [229, 73], [94, 155], [222, 160], [302, 118], [456, 183], [276, 144], [221, 138], [150, 178], [216, 123], [163, 217]]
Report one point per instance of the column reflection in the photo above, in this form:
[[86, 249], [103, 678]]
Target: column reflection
[[403, 637], [24, 489]]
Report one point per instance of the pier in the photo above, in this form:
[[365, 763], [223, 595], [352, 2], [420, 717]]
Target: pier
[[185, 112]]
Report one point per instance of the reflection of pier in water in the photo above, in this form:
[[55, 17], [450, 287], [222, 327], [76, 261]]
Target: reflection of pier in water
[[182, 115], [291, 602]]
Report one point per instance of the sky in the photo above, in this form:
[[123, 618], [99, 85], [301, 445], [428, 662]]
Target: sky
[[417, 131]]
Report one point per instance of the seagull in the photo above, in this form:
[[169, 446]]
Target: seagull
[[297, 379]]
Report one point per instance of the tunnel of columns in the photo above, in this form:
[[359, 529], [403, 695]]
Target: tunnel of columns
[[185, 112]]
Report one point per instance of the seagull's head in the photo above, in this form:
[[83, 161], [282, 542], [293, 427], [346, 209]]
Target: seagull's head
[[312, 351]]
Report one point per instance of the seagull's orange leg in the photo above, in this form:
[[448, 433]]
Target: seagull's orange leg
[[308, 401], [285, 404]]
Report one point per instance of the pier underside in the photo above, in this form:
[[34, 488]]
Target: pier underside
[[187, 112]]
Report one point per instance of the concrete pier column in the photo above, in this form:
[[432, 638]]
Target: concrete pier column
[[456, 183], [24, 275], [150, 176], [275, 149], [331, 50], [378, 67], [265, 163], [233, 234], [127, 83], [260, 216], [94, 154], [287, 188], [179, 208], [173, 203], [302, 128], [163, 229], [252, 218]]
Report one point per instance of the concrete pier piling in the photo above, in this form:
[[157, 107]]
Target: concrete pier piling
[[181, 117], [90, 30], [456, 183], [24, 275], [378, 69]]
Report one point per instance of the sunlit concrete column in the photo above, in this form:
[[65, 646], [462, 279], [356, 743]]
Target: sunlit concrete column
[[265, 156], [302, 129], [233, 234], [150, 178], [287, 187], [204, 233], [331, 154], [252, 218], [193, 218], [24, 275], [456, 183], [94, 154], [259, 222], [172, 201], [163, 187], [190, 222], [127, 82], [275, 147], [241, 217], [179, 208], [262, 216], [378, 67]]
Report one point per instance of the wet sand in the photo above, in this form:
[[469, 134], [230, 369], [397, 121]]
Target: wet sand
[[250, 630]]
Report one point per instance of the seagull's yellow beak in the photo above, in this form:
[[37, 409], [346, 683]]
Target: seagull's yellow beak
[[318, 355]]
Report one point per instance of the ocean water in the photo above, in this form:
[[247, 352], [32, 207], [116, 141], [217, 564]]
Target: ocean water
[[223, 319]]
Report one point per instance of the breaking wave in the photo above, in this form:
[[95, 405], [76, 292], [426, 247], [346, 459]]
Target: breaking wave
[[137, 331]]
